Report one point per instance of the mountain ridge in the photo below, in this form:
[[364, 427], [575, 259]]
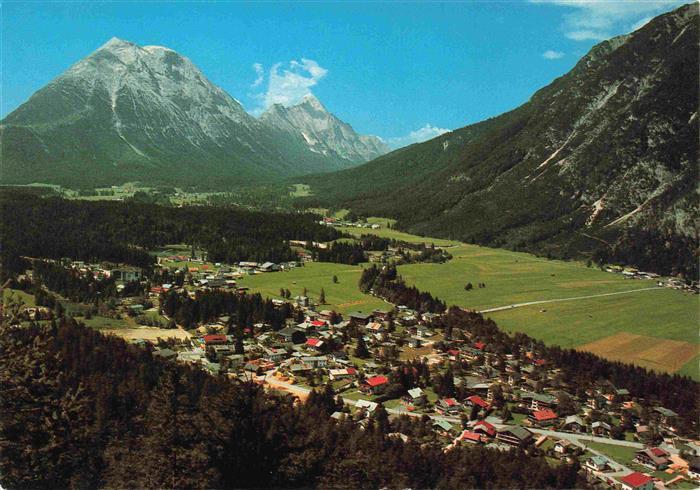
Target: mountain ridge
[[310, 121], [132, 113], [607, 150]]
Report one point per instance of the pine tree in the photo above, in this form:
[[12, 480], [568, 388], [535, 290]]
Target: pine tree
[[361, 350], [322, 297]]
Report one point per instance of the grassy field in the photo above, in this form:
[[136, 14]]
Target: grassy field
[[301, 190], [343, 297], [395, 234], [512, 277], [16, 295], [625, 456]]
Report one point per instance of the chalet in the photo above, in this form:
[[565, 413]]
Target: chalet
[[514, 435], [596, 402], [414, 343], [600, 429], [302, 301], [314, 343], [165, 353], [315, 361], [563, 446], [424, 332], [654, 458], [479, 346], [126, 274], [416, 396], [215, 339], [484, 428], [218, 351], [543, 418], [216, 283], [442, 426], [540, 401], [637, 481], [429, 317], [573, 423], [275, 355], [478, 401], [269, 267], [375, 327], [318, 324], [299, 368], [598, 463], [667, 416], [359, 319], [375, 384], [448, 406], [381, 314], [336, 374], [470, 437], [366, 406], [292, 334], [326, 315]]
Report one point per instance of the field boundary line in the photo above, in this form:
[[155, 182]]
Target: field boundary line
[[573, 298]]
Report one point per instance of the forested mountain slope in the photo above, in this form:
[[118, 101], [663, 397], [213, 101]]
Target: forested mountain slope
[[603, 159]]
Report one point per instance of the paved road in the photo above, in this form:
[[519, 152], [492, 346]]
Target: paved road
[[576, 437], [574, 298]]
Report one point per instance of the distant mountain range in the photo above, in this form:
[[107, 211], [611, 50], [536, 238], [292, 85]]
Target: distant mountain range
[[148, 114], [603, 159], [324, 133]]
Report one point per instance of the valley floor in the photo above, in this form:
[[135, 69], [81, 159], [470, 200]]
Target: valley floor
[[576, 306]]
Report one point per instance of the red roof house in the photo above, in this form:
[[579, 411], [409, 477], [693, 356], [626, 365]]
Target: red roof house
[[374, 384], [637, 480], [471, 437], [477, 400], [543, 417], [479, 345], [214, 339], [484, 427], [318, 323], [313, 342]]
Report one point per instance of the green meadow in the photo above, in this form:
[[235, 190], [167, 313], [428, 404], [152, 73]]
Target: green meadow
[[513, 277], [343, 296]]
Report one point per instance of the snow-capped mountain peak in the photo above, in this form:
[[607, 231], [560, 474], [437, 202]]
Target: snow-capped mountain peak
[[311, 123]]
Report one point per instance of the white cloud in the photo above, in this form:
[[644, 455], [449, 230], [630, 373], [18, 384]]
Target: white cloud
[[425, 133], [550, 54], [601, 19], [287, 86], [259, 74], [587, 35]]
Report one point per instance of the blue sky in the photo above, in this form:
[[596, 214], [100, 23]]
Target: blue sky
[[402, 71]]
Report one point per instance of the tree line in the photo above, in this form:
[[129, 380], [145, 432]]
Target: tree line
[[125, 232], [387, 284], [244, 310]]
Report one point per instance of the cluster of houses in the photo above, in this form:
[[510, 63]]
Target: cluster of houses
[[669, 282], [330, 221], [505, 400], [318, 350]]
